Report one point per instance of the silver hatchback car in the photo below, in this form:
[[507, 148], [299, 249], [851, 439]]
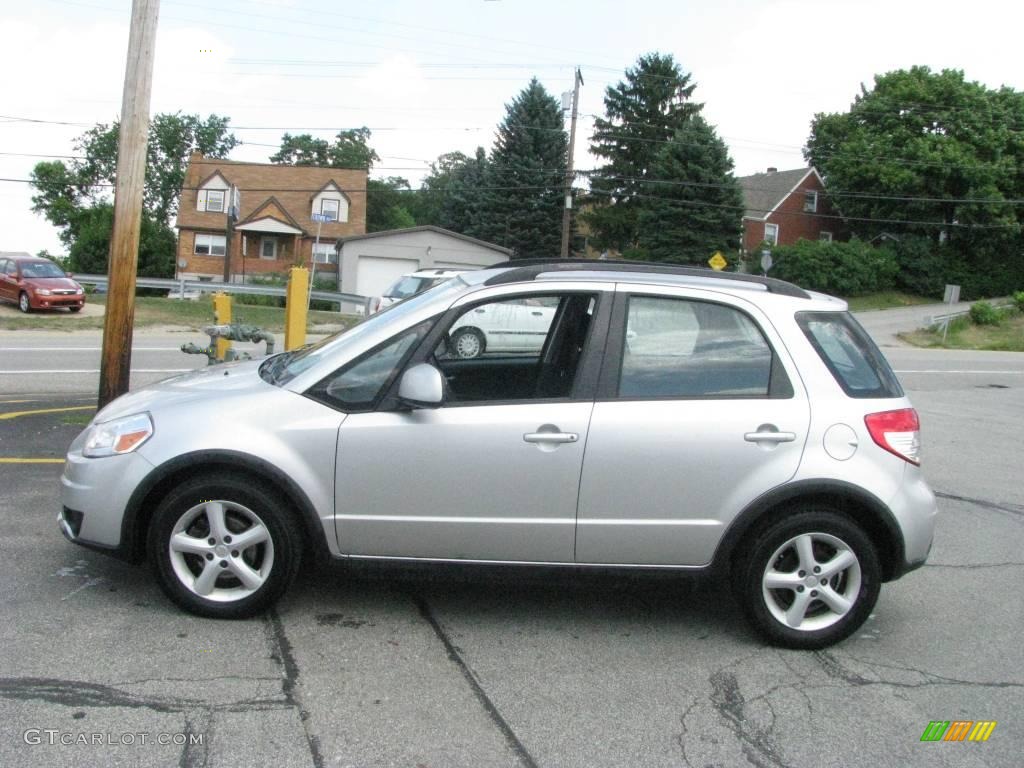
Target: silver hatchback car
[[671, 418]]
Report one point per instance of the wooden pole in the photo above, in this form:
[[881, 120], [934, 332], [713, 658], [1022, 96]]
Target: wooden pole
[[567, 210], [116, 359]]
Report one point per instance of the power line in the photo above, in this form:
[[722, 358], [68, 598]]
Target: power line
[[558, 187]]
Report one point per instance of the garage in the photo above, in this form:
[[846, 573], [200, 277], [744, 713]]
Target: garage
[[367, 264]]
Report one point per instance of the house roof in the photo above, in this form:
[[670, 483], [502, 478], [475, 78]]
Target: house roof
[[428, 228], [290, 186], [763, 192]]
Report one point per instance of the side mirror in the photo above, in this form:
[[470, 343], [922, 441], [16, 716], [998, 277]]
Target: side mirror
[[68, 274], [422, 386]]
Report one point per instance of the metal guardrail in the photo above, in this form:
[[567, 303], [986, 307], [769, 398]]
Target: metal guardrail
[[203, 286], [945, 317]]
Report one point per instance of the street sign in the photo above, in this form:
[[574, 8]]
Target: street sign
[[766, 261], [320, 217], [718, 262]]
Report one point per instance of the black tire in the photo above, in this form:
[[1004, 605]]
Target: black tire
[[469, 339], [243, 499], [75, 309], [23, 303], [775, 544]]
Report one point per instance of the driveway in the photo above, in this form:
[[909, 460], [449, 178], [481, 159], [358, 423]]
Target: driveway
[[884, 324]]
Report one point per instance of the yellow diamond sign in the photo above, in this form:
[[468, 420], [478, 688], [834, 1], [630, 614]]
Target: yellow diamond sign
[[718, 262]]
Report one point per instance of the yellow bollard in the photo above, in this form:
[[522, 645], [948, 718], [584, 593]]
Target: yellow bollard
[[222, 316], [296, 308]]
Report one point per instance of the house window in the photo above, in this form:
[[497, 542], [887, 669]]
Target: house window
[[330, 208], [811, 202], [825, 237], [324, 253], [771, 234], [268, 248], [215, 200], [210, 245]]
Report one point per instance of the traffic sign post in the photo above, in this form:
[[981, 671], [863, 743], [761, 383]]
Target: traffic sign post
[[319, 218], [718, 262], [766, 261]]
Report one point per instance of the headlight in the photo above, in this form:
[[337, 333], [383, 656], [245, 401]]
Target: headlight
[[43, 292], [118, 436]]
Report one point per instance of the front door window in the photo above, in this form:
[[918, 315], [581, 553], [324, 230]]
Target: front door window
[[268, 248]]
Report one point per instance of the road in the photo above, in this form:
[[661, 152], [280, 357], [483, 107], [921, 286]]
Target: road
[[69, 362], [391, 666]]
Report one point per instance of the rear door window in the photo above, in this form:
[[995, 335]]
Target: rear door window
[[678, 348], [850, 354]]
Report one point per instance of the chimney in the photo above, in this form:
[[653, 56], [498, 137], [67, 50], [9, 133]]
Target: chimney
[[772, 169]]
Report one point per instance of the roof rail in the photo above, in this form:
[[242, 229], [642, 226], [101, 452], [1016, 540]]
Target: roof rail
[[522, 270]]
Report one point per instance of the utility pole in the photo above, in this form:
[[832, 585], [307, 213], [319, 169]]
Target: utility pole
[[116, 359], [567, 210]]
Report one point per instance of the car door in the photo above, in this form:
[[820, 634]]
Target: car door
[[491, 475], [6, 283], [699, 411]]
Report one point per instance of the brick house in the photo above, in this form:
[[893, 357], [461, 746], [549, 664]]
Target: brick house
[[781, 207], [275, 229]]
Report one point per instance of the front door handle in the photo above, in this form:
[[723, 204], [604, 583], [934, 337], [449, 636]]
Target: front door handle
[[769, 433], [551, 437]]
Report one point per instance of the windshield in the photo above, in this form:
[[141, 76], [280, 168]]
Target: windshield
[[41, 269], [407, 286], [282, 368]]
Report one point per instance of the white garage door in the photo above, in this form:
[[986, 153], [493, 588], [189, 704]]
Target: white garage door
[[374, 273]]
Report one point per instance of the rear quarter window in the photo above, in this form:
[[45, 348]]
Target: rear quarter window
[[850, 355]]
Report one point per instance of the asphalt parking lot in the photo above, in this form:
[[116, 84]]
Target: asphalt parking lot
[[453, 667]]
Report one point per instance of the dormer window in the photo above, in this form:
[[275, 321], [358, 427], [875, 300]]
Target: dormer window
[[215, 201], [330, 208], [331, 203]]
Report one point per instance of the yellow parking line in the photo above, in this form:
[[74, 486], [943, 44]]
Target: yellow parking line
[[16, 414], [13, 402], [31, 461]]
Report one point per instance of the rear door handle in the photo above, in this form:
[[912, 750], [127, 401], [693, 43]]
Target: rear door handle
[[551, 437], [765, 434]]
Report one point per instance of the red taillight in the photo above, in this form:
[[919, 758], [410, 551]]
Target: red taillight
[[898, 432]]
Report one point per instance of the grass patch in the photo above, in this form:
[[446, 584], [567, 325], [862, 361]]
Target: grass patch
[[886, 300], [152, 311], [1008, 336], [77, 419]]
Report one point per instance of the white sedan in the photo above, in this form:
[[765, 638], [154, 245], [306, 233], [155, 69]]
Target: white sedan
[[519, 325]]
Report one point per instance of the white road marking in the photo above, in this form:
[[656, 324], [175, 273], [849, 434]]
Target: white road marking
[[96, 370], [85, 349], [1012, 373]]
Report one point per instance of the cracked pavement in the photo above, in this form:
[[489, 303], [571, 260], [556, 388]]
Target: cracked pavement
[[386, 666]]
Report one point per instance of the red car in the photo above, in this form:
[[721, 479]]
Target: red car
[[34, 283]]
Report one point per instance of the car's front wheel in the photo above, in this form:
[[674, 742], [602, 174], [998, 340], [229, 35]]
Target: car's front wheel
[[224, 547], [808, 580], [23, 303], [468, 343]]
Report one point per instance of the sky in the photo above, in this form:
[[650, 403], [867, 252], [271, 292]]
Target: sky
[[434, 76]]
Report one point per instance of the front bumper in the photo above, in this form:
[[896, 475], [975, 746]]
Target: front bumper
[[94, 495], [36, 301]]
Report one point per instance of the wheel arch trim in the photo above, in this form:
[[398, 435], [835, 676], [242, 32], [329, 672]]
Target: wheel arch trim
[[139, 509], [862, 507]]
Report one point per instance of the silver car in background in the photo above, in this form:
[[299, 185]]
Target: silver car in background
[[665, 417]]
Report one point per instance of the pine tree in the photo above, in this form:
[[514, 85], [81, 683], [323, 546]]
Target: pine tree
[[462, 207], [641, 114], [522, 208], [692, 205]]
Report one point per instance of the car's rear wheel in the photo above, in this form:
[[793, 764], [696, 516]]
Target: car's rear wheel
[[224, 547], [23, 303], [807, 580], [75, 309], [468, 343]]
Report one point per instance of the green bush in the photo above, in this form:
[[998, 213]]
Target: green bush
[[983, 313], [1018, 301], [843, 269]]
